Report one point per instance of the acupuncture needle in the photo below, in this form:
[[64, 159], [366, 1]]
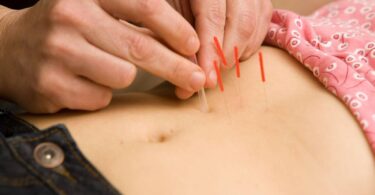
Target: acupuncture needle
[[201, 93], [263, 76], [238, 72]]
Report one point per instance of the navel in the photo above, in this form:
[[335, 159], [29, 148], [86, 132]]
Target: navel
[[161, 136]]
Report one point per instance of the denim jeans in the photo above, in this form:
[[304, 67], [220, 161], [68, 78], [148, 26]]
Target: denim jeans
[[44, 162]]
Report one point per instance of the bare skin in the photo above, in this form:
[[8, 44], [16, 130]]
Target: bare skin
[[266, 139], [72, 54], [236, 23], [275, 138]]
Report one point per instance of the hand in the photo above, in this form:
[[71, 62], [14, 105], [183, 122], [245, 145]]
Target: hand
[[241, 23], [71, 54]]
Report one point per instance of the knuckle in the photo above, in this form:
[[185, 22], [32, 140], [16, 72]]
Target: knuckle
[[178, 73], [149, 7], [67, 12], [62, 11], [56, 46], [45, 85], [139, 48]]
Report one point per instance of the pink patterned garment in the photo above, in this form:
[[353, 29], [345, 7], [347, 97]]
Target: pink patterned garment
[[337, 44]]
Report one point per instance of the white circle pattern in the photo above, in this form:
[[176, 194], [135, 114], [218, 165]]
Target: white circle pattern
[[362, 96], [357, 65], [337, 43], [331, 67], [355, 104]]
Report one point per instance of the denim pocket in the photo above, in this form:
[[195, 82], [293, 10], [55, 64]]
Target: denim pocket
[[45, 161]]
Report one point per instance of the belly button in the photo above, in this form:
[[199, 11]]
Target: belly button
[[161, 136]]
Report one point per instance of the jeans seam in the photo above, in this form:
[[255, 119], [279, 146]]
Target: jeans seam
[[36, 138], [23, 122], [87, 166]]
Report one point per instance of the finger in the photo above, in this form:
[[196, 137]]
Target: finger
[[209, 22], [100, 67], [144, 31], [76, 93], [262, 18], [183, 94], [239, 28], [256, 41], [160, 18], [184, 8], [84, 59], [249, 51], [86, 95], [143, 51], [139, 29]]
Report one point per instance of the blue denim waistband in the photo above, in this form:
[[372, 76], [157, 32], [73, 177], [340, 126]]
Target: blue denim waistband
[[21, 170]]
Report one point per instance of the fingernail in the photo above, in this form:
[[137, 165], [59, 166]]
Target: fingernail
[[213, 78], [197, 81], [193, 44]]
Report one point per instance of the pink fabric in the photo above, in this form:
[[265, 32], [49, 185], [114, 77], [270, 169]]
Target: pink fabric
[[337, 44]]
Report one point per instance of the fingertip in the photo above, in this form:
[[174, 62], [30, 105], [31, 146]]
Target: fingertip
[[247, 54], [192, 45], [197, 80], [212, 79], [129, 76], [183, 94]]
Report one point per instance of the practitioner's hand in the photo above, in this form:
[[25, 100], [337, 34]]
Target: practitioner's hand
[[71, 54], [241, 23]]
